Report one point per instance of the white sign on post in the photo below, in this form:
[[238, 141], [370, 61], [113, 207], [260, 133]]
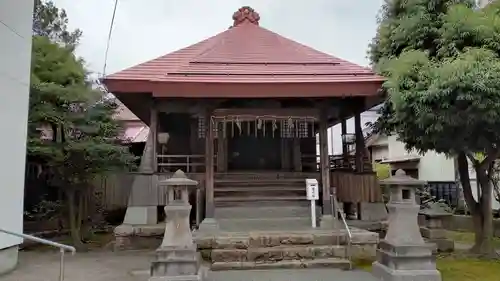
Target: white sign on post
[[312, 192], [312, 189]]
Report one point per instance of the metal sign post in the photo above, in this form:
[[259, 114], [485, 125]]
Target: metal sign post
[[312, 191]]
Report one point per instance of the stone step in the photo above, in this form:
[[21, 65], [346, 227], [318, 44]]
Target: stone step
[[260, 182], [263, 212], [279, 253], [263, 188], [257, 204], [259, 198], [250, 175], [258, 192], [285, 264], [260, 239], [280, 223]]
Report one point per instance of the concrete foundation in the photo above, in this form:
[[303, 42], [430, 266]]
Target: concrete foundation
[[209, 225], [129, 237], [138, 222], [373, 211], [387, 274], [328, 222], [8, 259], [147, 215]]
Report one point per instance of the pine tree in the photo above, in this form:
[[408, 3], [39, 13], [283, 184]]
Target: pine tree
[[85, 140]]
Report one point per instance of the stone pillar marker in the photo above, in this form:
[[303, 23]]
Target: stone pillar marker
[[403, 255], [177, 258]]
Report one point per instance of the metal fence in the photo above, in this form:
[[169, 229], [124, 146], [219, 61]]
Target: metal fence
[[446, 191]]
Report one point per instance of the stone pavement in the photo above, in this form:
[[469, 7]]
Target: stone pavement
[[133, 265]]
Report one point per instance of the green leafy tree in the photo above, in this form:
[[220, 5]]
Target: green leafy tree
[[383, 171], [52, 22], [443, 69]]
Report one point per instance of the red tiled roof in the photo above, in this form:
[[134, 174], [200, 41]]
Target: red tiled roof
[[136, 133], [244, 54]]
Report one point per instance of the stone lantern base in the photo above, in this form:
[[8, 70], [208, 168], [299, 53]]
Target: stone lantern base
[[432, 229], [405, 263], [177, 264]]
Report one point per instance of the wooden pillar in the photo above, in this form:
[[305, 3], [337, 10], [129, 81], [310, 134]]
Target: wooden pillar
[[324, 162], [360, 147], [297, 155], [221, 151], [153, 129], [345, 148], [209, 166]]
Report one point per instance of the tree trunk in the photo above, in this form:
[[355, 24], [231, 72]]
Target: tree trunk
[[85, 229], [480, 210], [483, 218], [73, 215]]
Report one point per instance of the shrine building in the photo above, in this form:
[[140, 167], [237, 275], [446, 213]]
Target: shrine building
[[240, 112]]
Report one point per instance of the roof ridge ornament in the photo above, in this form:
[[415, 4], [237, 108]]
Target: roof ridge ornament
[[245, 14]]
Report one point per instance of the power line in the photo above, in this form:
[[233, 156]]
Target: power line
[[109, 38], [11, 29]]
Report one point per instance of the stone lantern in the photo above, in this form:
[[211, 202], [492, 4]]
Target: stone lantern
[[177, 258], [433, 229], [403, 254]]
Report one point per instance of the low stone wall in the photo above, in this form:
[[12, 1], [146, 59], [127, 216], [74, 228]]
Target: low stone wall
[[465, 223], [287, 249]]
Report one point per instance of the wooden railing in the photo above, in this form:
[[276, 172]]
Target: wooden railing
[[356, 187], [187, 163], [337, 162], [351, 186]]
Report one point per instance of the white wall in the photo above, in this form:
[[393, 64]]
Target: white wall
[[436, 167], [397, 148], [431, 167], [15, 56], [379, 152]]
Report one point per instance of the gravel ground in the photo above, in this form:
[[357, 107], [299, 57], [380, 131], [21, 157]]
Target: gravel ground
[[133, 265]]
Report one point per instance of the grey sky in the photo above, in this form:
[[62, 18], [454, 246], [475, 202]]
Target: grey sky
[[145, 29]]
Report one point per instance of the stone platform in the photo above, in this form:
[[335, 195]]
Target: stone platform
[[128, 237], [272, 245], [267, 249]]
